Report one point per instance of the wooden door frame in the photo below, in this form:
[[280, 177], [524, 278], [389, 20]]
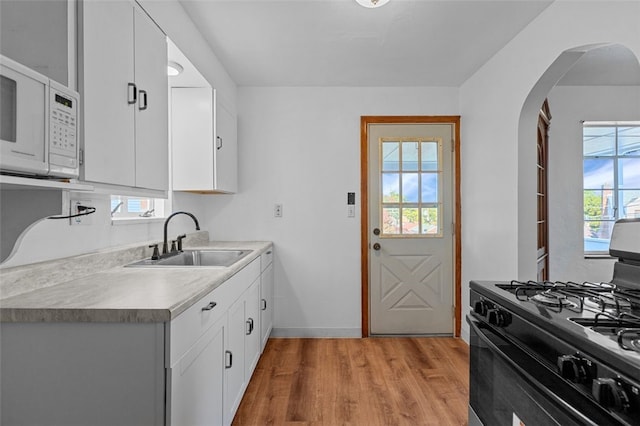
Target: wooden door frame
[[364, 217]]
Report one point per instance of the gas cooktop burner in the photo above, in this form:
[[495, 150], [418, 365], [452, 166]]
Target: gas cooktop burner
[[608, 303], [629, 339], [553, 299]]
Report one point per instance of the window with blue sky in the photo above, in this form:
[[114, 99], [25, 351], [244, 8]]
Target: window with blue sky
[[611, 179]]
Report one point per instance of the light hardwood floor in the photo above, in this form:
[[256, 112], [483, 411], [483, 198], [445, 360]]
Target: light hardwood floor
[[375, 381]]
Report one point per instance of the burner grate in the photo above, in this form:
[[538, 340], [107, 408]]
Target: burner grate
[[597, 297]]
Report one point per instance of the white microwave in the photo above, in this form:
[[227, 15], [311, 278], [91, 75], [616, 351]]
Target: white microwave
[[38, 123]]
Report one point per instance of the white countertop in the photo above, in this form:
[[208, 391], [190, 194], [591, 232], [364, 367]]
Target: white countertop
[[126, 294]]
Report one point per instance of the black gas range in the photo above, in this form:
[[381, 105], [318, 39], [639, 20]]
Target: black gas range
[[559, 353]]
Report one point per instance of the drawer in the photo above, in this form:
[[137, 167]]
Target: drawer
[[187, 327], [266, 258]]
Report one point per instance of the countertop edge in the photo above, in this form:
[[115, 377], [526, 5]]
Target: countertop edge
[[24, 308]]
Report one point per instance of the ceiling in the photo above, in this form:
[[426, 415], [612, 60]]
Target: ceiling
[[404, 43], [339, 43]]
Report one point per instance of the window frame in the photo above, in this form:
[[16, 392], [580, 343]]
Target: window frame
[[616, 190], [157, 205], [420, 205]]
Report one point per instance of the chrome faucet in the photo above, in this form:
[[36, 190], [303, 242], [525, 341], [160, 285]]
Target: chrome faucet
[[165, 246]]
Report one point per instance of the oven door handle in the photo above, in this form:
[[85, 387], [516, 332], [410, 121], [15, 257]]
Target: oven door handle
[[532, 379]]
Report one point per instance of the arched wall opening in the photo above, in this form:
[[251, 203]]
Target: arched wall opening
[[618, 101]]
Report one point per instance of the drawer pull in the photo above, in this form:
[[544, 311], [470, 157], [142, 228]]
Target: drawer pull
[[230, 358], [210, 306], [269, 252], [264, 304]]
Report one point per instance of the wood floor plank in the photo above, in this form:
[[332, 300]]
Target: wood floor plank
[[375, 381]]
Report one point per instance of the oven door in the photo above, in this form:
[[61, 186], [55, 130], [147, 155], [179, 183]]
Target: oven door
[[508, 386]]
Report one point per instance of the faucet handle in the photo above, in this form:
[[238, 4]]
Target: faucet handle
[[173, 246], [180, 238], [156, 253]]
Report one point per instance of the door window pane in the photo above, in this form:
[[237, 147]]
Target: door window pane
[[391, 220], [390, 156], [429, 188], [410, 186], [429, 156], [410, 221], [410, 156], [430, 220], [390, 187]]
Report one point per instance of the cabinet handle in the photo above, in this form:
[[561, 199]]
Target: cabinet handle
[[249, 326], [132, 95], [229, 355], [143, 100], [218, 142], [210, 306], [264, 304], [269, 252]]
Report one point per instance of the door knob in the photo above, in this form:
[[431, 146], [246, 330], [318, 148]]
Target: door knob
[[376, 231], [376, 246]]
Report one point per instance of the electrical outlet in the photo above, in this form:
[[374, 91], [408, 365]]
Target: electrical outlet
[[277, 210], [77, 207], [351, 211]]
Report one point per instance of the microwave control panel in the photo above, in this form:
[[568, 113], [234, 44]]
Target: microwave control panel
[[63, 131]]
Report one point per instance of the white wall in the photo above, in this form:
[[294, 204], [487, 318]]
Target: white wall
[[570, 105], [498, 166], [301, 147]]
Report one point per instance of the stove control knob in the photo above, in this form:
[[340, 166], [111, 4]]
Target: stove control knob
[[576, 368], [481, 307], [499, 317], [610, 393]]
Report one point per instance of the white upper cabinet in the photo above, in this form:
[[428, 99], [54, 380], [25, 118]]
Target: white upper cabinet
[[204, 142], [152, 132], [192, 142], [123, 84]]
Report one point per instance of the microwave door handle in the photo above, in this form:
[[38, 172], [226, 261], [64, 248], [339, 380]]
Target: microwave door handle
[[132, 93]]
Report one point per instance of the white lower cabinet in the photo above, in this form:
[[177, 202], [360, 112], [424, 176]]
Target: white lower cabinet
[[215, 346], [235, 381], [190, 371], [197, 380], [266, 297], [252, 329]]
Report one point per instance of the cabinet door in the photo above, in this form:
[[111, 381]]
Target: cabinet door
[[197, 381], [253, 334], [151, 120], [192, 138], [235, 382], [266, 304], [107, 69], [226, 154]]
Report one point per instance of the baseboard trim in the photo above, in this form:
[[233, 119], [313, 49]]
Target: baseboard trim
[[316, 332]]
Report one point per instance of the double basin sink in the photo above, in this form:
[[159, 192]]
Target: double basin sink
[[195, 258]]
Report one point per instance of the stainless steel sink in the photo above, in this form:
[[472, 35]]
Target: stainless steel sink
[[195, 258]]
